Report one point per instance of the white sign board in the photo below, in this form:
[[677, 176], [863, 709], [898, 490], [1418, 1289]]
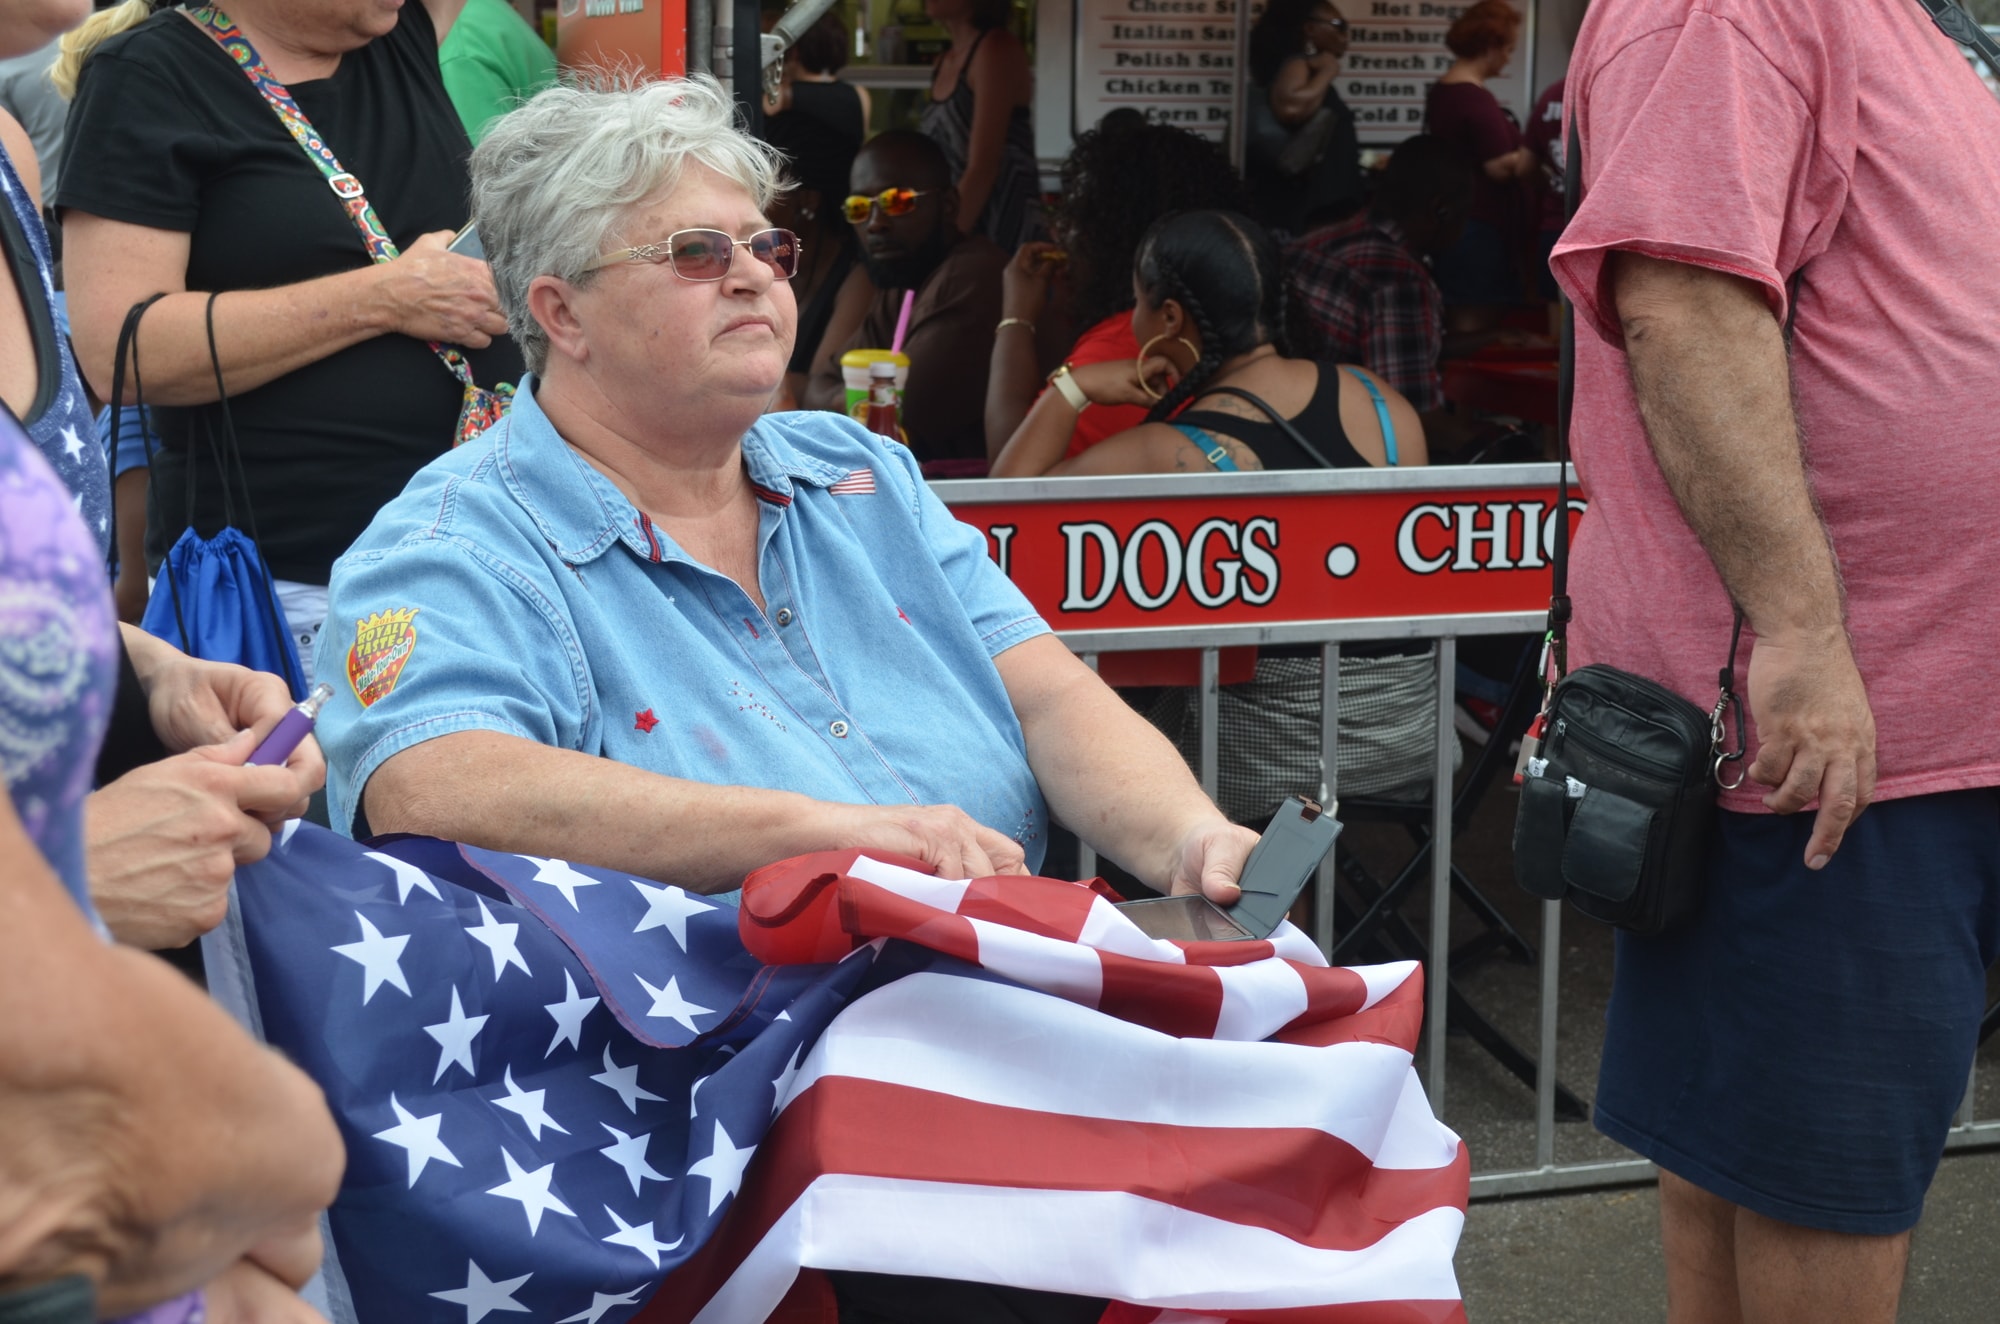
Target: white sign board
[[1174, 61], [1395, 52]]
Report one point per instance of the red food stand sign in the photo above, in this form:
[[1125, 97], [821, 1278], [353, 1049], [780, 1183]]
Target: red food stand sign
[[1144, 553]]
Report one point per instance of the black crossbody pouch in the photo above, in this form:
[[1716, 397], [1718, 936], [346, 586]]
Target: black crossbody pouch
[[1619, 772]]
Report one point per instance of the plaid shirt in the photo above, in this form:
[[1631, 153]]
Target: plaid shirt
[[1370, 301]]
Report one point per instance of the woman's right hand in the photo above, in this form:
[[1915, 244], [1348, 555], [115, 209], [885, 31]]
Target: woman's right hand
[[434, 294], [1116, 381], [1024, 286]]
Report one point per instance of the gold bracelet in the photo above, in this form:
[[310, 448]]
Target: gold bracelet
[[1065, 383], [1006, 322]]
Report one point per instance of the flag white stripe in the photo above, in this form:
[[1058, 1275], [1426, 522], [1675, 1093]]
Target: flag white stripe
[[944, 893], [1382, 980], [1014, 1048], [1259, 999], [1413, 1137], [1061, 968], [1112, 1244], [757, 1284], [1110, 929], [1290, 942]]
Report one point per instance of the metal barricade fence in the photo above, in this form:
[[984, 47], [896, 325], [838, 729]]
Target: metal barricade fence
[[1127, 565]]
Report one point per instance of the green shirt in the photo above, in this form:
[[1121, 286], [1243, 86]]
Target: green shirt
[[492, 61]]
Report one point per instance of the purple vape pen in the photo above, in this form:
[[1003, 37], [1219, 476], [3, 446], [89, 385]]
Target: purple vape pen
[[293, 727]]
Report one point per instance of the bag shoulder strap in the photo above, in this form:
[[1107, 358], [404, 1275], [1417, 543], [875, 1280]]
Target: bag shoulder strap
[[353, 199], [1284, 424], [1382, 418], [1206, 443], [1955, 23], [1556, 643]]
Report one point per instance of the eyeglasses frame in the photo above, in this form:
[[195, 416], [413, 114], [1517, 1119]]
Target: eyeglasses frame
[[662, 251]]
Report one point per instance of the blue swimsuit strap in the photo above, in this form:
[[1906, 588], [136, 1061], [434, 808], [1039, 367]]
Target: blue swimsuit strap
[[1209, 446], [1381, 412]]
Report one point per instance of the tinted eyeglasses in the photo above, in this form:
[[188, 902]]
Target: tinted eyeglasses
[[892, 201], [706, 254], [1337, 24]]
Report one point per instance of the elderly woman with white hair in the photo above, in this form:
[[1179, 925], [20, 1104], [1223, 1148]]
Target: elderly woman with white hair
[[640, 624]]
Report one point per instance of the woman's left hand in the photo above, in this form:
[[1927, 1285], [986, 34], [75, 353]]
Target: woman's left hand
[[1211, 859], [1116, 382]]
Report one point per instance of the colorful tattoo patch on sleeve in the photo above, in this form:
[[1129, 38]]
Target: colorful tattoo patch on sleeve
[[382, 647]]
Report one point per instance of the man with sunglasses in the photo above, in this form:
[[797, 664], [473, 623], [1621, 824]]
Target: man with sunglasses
[[904, 211]]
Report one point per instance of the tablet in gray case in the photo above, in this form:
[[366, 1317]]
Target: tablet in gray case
[[1300, 835]]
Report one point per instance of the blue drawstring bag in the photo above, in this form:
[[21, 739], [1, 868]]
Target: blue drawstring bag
[[213, 597]]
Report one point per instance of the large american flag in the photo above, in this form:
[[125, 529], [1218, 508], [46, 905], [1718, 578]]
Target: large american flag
[[581, 1097]]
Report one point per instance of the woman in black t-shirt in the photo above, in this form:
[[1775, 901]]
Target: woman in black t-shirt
[[179, 176]]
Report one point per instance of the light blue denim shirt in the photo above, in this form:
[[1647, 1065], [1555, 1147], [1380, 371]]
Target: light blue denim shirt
[[513, 588]]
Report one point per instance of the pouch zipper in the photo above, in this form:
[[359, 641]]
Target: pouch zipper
[[1609, 752]]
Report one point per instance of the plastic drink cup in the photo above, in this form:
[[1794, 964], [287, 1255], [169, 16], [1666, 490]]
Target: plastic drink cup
[[854, 366]]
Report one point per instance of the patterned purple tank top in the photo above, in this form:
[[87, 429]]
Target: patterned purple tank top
[[58, 655]]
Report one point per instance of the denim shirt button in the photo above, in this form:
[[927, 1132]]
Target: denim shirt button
[[839, 730], [784, 616]]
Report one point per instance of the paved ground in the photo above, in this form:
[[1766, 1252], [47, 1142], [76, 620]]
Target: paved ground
[[1595, 1257], [1592, 1259]]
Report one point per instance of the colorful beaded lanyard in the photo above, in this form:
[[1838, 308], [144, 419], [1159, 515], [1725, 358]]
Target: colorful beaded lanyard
[[481, 407]]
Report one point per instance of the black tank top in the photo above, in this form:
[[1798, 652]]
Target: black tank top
[[1319, 421]]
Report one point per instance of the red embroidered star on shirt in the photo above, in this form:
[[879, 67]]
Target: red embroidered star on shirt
[[645, 721]]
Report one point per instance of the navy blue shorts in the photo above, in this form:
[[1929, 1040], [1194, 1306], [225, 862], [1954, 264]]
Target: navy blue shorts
[[1800, 1049]]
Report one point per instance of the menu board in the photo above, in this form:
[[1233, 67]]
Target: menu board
[[1174, 61], [1395, 51]]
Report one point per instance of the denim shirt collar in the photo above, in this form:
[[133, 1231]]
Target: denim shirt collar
[[582, 513]]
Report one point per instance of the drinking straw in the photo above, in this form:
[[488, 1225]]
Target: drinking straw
[[903, 322]]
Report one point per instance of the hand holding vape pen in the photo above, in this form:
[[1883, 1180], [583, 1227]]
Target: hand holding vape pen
[[293, 727]]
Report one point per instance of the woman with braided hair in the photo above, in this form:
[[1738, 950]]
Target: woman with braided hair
[[1209, 318], [1225, 396]]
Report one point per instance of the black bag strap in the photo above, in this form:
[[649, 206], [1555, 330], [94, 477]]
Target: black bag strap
[[228, 458], [1284, 424], [1955, 23], [1555, 644], [128, 347], [235, 456]]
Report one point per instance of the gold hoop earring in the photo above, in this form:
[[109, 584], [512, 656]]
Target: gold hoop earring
[[1139, 364]]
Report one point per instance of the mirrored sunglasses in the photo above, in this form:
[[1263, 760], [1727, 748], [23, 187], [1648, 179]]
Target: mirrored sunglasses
[[706, 254], [892, 201]]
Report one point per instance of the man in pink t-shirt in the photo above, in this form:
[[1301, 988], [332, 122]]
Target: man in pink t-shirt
[[1793, 1057]]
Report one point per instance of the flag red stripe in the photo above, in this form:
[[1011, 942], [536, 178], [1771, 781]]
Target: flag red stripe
[[1052, 912], [1300, 1183], [1397, 1020], [1181, 1000]]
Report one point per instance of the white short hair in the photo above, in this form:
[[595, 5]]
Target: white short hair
[[551, 179]]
